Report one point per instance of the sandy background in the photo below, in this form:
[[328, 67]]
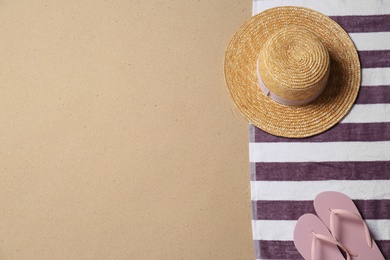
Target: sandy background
[[118, 139]]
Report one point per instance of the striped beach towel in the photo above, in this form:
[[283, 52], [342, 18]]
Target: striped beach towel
[[352, 157]]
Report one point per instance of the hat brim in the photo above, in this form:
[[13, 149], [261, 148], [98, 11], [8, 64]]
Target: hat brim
[[292, 121]]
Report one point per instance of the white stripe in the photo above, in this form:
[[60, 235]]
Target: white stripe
[[368, 113], [371, 41], [308, 190], [329, 7], [273, 229], [283, 230], [319, 152], [376, 76]]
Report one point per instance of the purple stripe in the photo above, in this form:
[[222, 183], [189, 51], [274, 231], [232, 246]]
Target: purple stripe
[[364, 23], [384, 246], [286, 249], [280, 210], [339, 133], [374, 59], [373, 95], [317, 171], [292, 210], [276, 250], [373, 209]]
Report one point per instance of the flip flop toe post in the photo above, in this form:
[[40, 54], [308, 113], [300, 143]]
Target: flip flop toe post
[[314, 241]]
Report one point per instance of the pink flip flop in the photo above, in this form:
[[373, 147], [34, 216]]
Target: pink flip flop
[[340, 215], [314, 241]]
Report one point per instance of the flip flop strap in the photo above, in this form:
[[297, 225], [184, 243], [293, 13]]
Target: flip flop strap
[[326, 239], [353, 215]]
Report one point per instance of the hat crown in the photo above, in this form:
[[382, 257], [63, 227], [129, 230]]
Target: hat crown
[[294, 65]]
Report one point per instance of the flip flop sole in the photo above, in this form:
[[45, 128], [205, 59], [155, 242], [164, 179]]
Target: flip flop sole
[[303, 238], [348, 231]]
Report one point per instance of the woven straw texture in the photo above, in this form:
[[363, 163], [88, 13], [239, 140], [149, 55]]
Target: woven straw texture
[[293, 121], [294, 63]]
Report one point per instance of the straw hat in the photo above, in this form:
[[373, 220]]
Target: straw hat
[[292, 71]]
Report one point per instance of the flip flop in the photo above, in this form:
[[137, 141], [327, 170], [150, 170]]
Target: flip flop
[[314, 241], [340, 215]]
